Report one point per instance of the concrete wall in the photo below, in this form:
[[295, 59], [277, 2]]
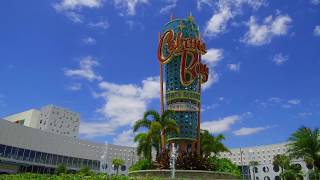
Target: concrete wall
[[30, 117]]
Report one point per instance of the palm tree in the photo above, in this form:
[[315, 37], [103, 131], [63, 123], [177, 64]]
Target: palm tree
[[117, 163], [288, 171], [305, 144], [212, 144], [144, 145], [281, 161], [163, 122]]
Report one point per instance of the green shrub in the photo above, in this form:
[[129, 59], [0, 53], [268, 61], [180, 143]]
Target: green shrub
[[60, 169], [141, 165], [224, 165], [85, 171]]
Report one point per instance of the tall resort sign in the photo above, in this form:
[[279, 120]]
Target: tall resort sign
[[179, 51]]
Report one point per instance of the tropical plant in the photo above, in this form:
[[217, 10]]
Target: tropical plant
[[281, 161], [85, 171], [117, 163], [210, 144], [288, 171], [142, 164], [60, 169], [158, 126], [224, 165], [193, 161], [305, 144], [144, 147]]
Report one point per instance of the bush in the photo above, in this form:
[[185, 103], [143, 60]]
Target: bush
[[61, 169], [85, 171], [141, 165], [224, 165]]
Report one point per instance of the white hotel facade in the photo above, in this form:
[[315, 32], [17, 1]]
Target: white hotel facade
[[39, 140], [263, 155]]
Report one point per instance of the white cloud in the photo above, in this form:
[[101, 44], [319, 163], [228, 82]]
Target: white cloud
[[125, 138], [89, 40], [220, 125], [260, 34], [103, 24], [248, 131], [280, 59], [315, 2], [129, 5], [77, 4], [95, 129], [86, 70], [316, 30], [126, 103], [226, 10], [275, 99], [294, 101], [71, 8], [166, 9], [218, 23], [74, 17], [211, 58], [213, 78], [75, 87], [234, 67]]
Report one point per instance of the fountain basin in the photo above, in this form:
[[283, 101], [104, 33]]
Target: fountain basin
[[184, 174]]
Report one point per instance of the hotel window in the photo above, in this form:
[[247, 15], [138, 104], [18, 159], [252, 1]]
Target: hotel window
[[48, 159], [26, 155], [32, 155], [7, 151], [2, 148]]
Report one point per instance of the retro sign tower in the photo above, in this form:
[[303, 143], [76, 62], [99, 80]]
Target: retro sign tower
[[179, 52]]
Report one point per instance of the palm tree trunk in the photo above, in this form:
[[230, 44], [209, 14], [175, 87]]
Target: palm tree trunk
[[163, 143]]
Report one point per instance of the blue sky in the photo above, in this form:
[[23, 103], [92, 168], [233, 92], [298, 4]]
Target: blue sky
[[98, 58]]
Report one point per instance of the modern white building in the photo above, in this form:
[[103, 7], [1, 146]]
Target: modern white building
[[263, 155], [49, 118], [30, 118], [28, 149]]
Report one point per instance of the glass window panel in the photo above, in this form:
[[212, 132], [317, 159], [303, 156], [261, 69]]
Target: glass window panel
[[20, 154], [49, 159], [85, 163], [37, 157], [90, 164], [14, 152], [43, 158], [32, 155], [65, 160], [59, 160], [7, 152], [54, 159], [26, 155], [2, 148]]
